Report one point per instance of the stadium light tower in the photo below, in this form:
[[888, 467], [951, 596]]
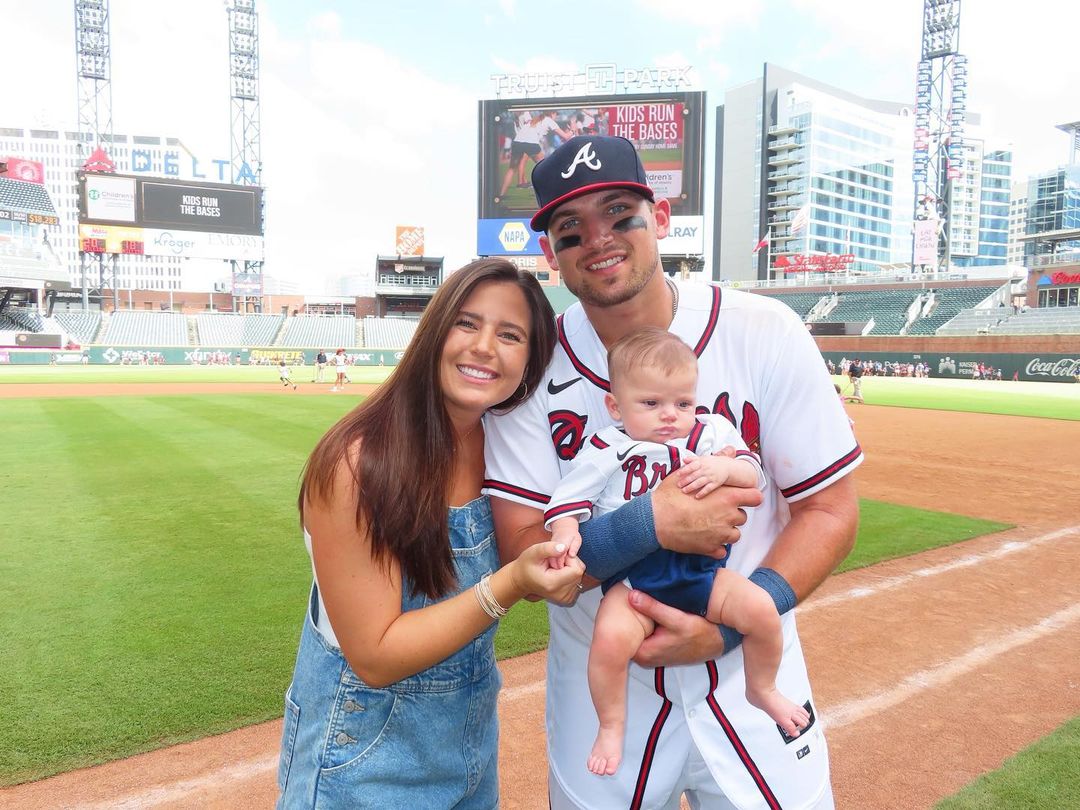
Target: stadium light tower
[[940, 112], [93, 69], [245, 127]]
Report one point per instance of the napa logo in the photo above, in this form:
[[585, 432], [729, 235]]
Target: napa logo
[[514, 236]]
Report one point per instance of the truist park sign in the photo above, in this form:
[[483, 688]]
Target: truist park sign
[[604, 78]]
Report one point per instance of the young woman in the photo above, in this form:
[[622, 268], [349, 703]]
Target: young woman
[[393, 697]]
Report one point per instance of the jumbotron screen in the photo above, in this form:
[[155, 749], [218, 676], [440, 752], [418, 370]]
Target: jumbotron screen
[[667, 129]]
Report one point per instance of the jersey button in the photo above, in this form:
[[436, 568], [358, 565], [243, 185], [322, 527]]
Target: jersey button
[[693, 713]]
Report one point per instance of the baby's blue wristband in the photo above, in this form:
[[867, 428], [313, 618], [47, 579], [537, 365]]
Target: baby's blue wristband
[[617, 540], [782, 595]]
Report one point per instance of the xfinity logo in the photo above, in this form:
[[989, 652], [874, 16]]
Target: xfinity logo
[[171, 243]]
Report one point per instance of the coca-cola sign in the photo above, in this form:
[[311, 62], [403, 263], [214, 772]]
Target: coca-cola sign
[[1066, 367]]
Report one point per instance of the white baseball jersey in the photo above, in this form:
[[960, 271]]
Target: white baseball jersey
[[758, 367], [612, 468]]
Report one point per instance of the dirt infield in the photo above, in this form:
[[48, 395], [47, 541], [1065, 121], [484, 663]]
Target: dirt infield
[[927, 670]]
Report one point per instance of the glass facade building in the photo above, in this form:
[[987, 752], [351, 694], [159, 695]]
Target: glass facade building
[[979, 217], [828, 173]]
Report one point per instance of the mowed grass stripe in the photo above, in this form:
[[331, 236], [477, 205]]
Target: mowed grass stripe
[[171, 610], [1044, 775], [160, 574]]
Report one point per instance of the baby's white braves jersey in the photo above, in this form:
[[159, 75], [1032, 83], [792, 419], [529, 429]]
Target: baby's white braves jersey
[[759, 368], [612, 468]]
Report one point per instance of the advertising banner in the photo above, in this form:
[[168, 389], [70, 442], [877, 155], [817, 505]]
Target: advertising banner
[[196, 245], [686, 237], [29, 171], [409, 240], [668, 130], [247, 283], [926, 242], [1028, 367], [208, 208], [110, 197], [111, 239], [498, 237]]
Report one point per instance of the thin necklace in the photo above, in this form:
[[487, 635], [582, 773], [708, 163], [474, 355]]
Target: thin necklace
[[674, 297]]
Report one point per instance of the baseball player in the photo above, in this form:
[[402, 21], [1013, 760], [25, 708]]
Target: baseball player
[[653, 391], [689, 728]]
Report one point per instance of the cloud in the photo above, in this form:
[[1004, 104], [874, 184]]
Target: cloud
[[713, 19]]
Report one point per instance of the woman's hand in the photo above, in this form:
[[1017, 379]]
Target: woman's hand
[[534, 573]]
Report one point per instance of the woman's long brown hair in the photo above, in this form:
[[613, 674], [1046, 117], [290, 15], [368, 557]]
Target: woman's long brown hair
[[407, 456]]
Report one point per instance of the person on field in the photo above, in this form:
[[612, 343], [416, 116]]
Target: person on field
[[284, 373], [653, 377], [339, 368], [690, 730], [393, 698], [320, 366]]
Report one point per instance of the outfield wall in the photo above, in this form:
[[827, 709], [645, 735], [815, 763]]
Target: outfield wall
[[193, 356], [1035, 358]]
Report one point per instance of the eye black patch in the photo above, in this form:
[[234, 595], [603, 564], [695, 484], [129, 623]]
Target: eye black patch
[[567, 242], [629, 224]]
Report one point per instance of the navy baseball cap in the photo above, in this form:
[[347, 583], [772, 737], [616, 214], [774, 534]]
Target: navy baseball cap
[[584, 164]]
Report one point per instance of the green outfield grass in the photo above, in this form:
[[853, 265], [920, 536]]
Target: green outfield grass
[[1044, 775], [888, 531], [180, 374], [1043, 400], [155, 575]]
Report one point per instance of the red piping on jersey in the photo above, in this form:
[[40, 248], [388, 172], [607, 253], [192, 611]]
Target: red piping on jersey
[[521, 492], [582, 369], [736, 743], [562, 509], [674, 458], [811, 482], [654, 739], [695, 436], [596, 441], [710, 327], [605, 385]]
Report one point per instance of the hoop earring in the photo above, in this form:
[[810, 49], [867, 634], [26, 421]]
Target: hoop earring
[[524, 393]]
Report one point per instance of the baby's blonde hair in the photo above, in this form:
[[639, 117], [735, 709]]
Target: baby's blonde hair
[[652, 348]]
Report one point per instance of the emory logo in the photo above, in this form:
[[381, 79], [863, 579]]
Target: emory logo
[[585, 156]]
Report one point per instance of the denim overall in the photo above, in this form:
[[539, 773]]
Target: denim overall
[[429, 741]]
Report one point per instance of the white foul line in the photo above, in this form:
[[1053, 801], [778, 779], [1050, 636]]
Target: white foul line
[[184, 789], [854, 710], [1006, 548], [834, 717]]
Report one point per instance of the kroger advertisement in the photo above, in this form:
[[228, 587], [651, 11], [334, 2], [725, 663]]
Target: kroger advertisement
[[667, 129]]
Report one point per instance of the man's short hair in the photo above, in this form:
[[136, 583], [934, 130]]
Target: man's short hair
[[652, 348]]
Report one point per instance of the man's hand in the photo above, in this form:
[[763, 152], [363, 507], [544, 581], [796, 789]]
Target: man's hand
[[700, 525], [679, 638]]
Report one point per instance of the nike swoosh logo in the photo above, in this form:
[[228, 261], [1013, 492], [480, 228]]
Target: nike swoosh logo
[[622, 456], [555, 389]]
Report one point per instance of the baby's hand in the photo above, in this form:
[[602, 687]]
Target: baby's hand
[[704, 474], [565, 531]]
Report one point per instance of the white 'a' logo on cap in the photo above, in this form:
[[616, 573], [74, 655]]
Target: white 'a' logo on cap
[[586, 156]]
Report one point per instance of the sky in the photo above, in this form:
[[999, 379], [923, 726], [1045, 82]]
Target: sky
[[369, 109]]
